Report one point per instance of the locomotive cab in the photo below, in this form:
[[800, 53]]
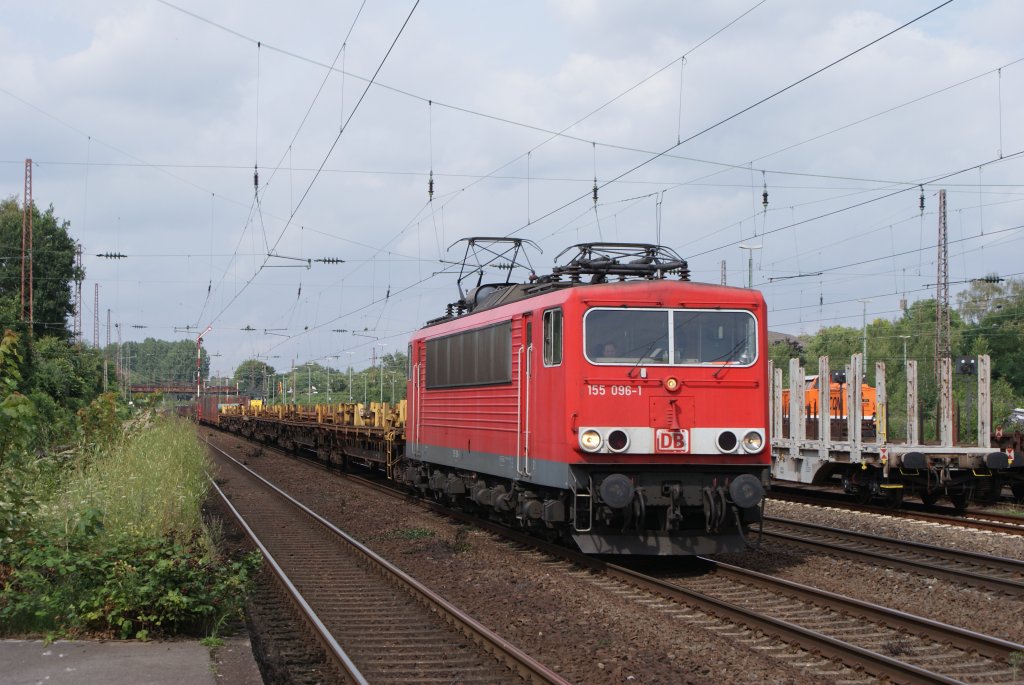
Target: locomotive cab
[[671, 428], [629, 416]]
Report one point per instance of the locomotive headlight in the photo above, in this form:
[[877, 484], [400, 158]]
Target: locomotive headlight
[[618, 441], [590, 440], [727, 442], [752, 442], [672, 384]]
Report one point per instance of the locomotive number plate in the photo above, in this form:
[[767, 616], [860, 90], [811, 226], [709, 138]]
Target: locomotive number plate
[[666, 440], [615, 390]]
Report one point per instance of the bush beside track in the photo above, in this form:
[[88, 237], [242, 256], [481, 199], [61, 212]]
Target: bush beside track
[[109, 540]]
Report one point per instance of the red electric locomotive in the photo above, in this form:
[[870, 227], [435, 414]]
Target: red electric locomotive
[[612, 402]]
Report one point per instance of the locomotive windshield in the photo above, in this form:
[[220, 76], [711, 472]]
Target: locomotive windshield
[[669, 336]]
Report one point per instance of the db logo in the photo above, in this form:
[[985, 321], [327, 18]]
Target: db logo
[[671, 440]]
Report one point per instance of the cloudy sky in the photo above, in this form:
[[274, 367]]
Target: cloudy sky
[[146, 119]]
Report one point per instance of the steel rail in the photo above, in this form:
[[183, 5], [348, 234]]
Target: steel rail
[[900, 548], [1009, 525], [342, 661], [502, 650], [969, 640], [877, 664]]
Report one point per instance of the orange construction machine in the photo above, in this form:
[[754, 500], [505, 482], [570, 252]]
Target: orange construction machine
[[837, 399]]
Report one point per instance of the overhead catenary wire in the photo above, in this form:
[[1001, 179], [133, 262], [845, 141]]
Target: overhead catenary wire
[[446, 269], [931, 181], [256, 185], [609, 195], [253, 40], [744, 110], [462, 109], [355, 108]]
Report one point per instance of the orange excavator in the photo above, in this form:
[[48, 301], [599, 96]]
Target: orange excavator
[[837, 399]]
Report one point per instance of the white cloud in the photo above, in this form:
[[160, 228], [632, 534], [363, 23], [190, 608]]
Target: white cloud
[[163, 87]]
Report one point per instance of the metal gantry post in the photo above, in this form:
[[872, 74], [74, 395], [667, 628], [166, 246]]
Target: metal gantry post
[[750, 262], [942, 335]]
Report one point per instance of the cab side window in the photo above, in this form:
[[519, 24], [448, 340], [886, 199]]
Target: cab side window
[[553, 337]]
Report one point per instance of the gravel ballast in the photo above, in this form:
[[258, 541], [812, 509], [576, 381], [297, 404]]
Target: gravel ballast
[[590, 633]]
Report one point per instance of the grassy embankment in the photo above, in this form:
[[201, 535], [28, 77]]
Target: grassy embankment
[[117, 546]]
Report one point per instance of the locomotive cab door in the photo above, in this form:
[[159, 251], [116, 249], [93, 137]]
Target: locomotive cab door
[[525, 396]]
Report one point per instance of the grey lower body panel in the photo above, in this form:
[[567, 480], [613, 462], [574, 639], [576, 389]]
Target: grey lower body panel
[[542, 472], [659, 544]]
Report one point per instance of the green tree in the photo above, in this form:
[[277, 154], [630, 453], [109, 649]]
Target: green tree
[[839, 343], [253, 378], [780, 352], [987, 296], [996, 311], [17, 427], [161, 362], [53, 267], [16, 410], [63, 379]]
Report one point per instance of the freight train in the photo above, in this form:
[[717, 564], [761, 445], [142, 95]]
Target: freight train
[[611, 403]]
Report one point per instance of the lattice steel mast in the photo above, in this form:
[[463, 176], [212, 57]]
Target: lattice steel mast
[[26, 245]]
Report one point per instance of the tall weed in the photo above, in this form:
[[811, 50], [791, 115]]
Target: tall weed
[[117, 545], [151, 483]]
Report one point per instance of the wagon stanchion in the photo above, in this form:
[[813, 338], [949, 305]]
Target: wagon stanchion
[[866, 461]]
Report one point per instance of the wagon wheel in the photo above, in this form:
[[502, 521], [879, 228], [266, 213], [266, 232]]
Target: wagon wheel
[[892, 497], [988, 489], [930, 497], [959, 499], [862, 493], [1018, 491]]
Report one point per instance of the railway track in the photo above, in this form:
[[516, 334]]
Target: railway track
[[883, 642], [840, 639], [376, 623], [1011, 525], [992, 573], [887, 642]]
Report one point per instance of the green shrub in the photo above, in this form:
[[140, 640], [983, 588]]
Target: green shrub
[[111, 541], [99, 423], [119, 586]]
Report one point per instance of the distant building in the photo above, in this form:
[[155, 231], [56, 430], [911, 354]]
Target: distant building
[[793, 341]]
